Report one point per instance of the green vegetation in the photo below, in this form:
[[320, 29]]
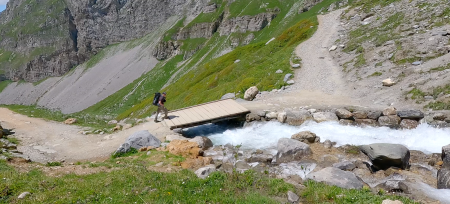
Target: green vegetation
[[124, 154], [376, 74], [360, 61], [94, 60], [130, 181], [416, 94], [209, 17], [193, 44], [437, 69], [53, 164], [172, 31], [379, 64], [367, 5], [321, 193], [253, 7]]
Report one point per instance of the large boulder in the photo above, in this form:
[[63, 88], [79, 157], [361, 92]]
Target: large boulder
[[137, 140], [390, 120], [305, 136], [325, 116], [446, 156], [411, 114], [374, 115], [360, 115], [443, 178], [291, 150], [251, 93], [184, 148], [205, 171], [385, 155], [261, 158], [336, 177], [272, 115], [203, 142], [343, 113], [297, 118]]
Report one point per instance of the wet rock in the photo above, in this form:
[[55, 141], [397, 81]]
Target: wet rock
[[203, 142], [297, 118], [196, 163], [251, 93], [205, 171], [325, 116], [366, 122], [410, 114], [228, 96], [346, 122], [305, 136], [388, 82], [175, 137], [137, 140], [409, 124], [252, 117], [23, 195], [292, 197], [328, 144], [390, 120], [336, 177], [185, 148], [443, 178], [446, 156], [345, 165], [385, 155], [343, 113], [291, 150], [360, 115], [287, 77], [374, 115], [242, 166], [390, 111], [70, 121], [282, 117]]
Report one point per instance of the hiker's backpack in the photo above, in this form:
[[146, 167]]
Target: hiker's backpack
[[156, 99]]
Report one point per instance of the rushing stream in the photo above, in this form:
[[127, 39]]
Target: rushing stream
[[265, 135]]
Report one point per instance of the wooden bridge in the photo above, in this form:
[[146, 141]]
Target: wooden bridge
[[210, 112]]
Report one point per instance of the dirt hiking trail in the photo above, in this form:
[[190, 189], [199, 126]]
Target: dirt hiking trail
[[43, 141]]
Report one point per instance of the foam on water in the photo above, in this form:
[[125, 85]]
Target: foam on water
[[442, 195], [265, 135]]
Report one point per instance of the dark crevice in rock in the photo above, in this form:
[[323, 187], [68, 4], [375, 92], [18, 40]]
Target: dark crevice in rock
[[73, 31]]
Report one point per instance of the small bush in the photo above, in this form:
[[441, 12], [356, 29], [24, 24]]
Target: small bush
[[126, 154], [53, 164]]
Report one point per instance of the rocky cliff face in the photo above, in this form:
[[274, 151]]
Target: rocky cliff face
[[73, 30], [243, 24]]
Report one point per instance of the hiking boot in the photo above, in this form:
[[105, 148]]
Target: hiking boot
[[166, 117]]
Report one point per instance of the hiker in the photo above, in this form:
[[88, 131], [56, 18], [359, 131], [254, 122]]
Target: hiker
[[161, 101]]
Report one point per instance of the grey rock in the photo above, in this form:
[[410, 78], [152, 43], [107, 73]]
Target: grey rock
[[343, 113], [23, 195], [417, 63], [346, 122], [345, 165], [445, 156], [411, 114], [385, 155], [295, 65], [297, 118], [390, 111], [242, 166], [228, 96], [374, 115], [292, 197], [279, 71], [205, 171], [366, 122], [203, 142], [137, 140], [272, 115], [428, 97], [290, 82], [305, 136], [439, 116], [242, 24], [112, 122], [282, 117], [336, 177], [390, 120], [252, 117], [443, 178], [325, 116], [393, 184], [287, 77], [262, 158], [327, 144], [291, 150], [261, 113]]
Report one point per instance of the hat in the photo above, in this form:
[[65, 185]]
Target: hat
[[164, 93]]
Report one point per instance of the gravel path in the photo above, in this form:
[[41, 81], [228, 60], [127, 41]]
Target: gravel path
[[44, 141]]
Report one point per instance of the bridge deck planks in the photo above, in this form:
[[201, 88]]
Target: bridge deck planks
[[204, 113]]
